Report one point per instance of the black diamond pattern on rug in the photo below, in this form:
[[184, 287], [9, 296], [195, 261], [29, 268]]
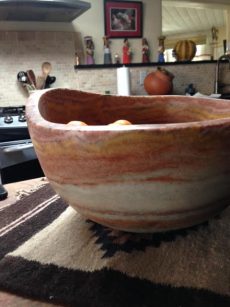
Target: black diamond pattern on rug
[[112, 241]]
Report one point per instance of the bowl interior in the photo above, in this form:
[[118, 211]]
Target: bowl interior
[[63, 106]]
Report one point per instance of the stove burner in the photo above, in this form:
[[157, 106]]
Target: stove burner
[[13, 124], [22, 118], [8, 119]]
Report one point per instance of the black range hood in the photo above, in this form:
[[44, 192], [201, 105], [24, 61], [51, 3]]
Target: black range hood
[[42, 10]]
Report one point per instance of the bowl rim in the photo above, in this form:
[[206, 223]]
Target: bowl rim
[[33, 115]]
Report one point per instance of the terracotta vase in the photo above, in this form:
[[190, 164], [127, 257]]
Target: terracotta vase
[[159, 82]]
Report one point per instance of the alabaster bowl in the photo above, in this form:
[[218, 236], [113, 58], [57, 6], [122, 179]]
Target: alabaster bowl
[[168, 170]]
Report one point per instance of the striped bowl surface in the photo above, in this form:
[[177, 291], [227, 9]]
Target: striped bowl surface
[[170, 169]]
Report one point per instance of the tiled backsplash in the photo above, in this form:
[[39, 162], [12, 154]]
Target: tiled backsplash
[[21, 51], [201, 75]]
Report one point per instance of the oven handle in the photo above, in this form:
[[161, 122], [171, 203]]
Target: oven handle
[[17, 148]]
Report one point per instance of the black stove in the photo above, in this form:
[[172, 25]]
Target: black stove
[[18, 160], [12, 110], [13, 125]]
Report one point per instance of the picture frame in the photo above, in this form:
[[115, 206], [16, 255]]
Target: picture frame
[[123, 19]]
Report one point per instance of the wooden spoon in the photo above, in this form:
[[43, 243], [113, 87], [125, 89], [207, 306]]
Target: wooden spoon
[[31, 78]]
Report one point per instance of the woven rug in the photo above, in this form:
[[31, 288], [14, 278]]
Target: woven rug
[[49, 252]]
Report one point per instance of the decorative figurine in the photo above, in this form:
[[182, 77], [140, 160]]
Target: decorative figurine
[[116, 58], [214, 42], [214, 34], [107, 53], [145, 51], [126, 52], [89, 50], [161, 49]]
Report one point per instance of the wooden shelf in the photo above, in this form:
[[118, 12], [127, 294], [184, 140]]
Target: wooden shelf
[[105, 66]]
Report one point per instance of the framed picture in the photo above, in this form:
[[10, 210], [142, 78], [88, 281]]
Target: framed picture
[[123, 19]]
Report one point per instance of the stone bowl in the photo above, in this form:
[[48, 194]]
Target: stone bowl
[[170, 169]]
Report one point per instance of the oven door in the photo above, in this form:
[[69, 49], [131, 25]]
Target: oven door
[[15, 152], [12, 133], [18, 161]]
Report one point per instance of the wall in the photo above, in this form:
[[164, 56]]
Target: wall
[[92, 23], [201, 75], [25, 45], [228, 27], [27, 50], [21, 51]]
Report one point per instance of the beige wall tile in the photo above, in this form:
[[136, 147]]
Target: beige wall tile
[[28, 50]]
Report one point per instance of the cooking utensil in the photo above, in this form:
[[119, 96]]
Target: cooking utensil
[[49, 80], [46, 68], [31, 78], [29, 87], [41, 80], [22, 77]]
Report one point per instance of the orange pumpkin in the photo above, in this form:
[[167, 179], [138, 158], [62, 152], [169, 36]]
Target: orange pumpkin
[[185, 50]]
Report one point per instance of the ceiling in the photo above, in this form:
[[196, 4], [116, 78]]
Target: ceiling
[[189, 17]]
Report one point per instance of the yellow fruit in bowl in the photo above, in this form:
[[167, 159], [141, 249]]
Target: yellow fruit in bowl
[[76, 123], [120, 122]]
